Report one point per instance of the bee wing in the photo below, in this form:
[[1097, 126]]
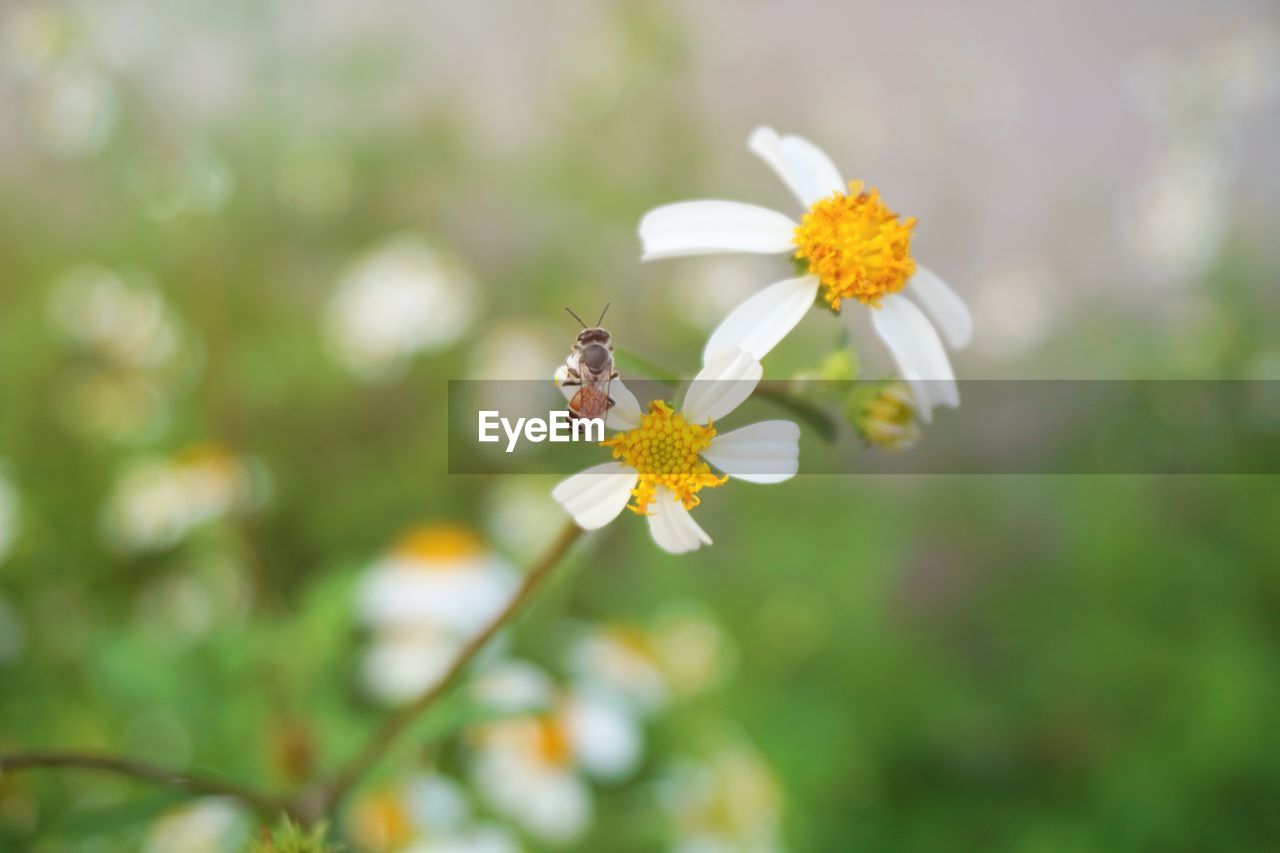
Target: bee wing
[[591, 401]]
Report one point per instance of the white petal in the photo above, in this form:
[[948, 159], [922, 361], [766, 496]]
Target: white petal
[[625, 413], [605, 737], [721, 386], [511, 686], [594, 497], [944, 305], [710, 227], [672, 527], [757, 325], [557, 807], [802, 166], [918, 352], [767, 452]]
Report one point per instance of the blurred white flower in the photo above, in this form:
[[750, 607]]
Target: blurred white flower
[[207, 590], [1178, 217], [665, 456], [36, 36], [110, 404], [196, 182], [399, 664], [726, 803], [520, 514], [1210, 83], [123, 319], [125, 34], [516, 349], [74, 110], [511, 360], [136, 347], [855, 248], [10, 514], [681, 653], [397, 301], [621, 660], [157, 501], [533, 766], [1020, 306], [426, 813], [434, 589], [206, 825], [438, 575], [693, 651]]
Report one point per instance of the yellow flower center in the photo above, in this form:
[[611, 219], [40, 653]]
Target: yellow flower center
[[552, 744], [439, 543], [665, 450], [856, 246], [381, 821]]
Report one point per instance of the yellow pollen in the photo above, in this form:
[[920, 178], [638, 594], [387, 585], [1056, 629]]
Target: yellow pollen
[[856, 246], [553, 745], [439, 542], [665, 450]]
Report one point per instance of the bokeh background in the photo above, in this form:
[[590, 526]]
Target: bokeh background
[[244, 246]]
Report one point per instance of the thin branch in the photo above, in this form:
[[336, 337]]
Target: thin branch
[[190, 782], [402, 719]]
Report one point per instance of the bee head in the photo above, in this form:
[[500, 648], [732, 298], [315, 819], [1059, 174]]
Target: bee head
[[593, 336]]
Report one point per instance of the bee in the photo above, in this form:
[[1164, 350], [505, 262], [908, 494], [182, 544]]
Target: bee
[[590, 370]]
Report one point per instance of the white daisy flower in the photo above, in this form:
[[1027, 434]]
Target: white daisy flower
[[399, 665], [433, 590], [158, 501], [124, 318], [534, 766], [621, 660], [398, 301], [680, 653], [427, 813], [206, 825], [855, 248], [438, 575], [726, 803], [664, 456]]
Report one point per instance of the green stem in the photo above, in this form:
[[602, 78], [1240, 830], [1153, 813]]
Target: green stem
[[265, 804], [313, 805]]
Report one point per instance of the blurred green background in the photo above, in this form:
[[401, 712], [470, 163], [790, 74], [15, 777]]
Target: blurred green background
[[255, 241]]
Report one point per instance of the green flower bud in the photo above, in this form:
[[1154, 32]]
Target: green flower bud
[[884, 414]]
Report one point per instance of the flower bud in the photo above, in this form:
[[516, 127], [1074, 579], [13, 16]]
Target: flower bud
[[884, 414]]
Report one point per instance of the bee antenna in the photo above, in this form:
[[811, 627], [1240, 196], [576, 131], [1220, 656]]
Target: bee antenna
[[575, 316], [602, 313]]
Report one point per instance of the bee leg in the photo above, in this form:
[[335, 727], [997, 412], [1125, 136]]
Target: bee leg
[[614, 376], [570, 383]]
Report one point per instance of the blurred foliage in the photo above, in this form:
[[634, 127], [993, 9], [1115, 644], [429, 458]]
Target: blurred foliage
[[291, 838]]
